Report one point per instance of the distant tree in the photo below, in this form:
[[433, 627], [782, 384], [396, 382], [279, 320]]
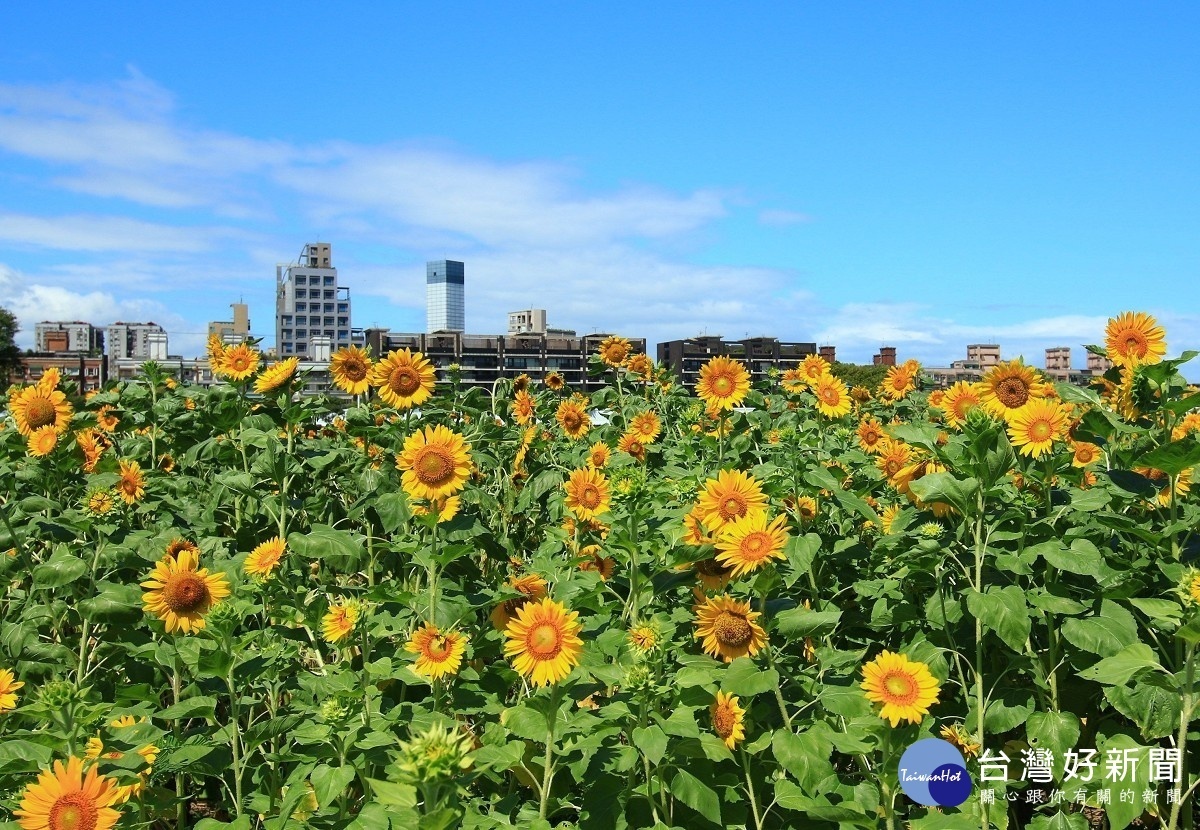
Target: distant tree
[[853, 374], [10, 355]]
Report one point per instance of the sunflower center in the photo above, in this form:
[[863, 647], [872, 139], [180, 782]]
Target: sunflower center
[[129, 484], [962, 406], [355, 370], [438, 648], [722, 385], [404, 381], [589, 496], [711, 567], [544, 641], [239, 363], [755, 546], [1040, 431], [434, 467], [829, 395], [723, 721], [1135, 344], [186, 592], [73, 811], [732, 629], [571, 421], [900, 688], [39, 412], [733, 507], [1012, 392]]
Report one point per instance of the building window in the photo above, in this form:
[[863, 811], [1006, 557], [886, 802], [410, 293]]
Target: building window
[[286, 319], [301, 333], [343, 321], [329, 308], [330, 281], [301, 320], [287, 348], [343, 308], [301, 306], [300, 279], [300, 292]]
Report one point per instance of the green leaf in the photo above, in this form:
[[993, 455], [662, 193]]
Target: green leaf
[[62, 568], [330, 782], [1173, 458], [1122, 666], [943, 821], [115, 602], [1055, 731], [1153, 704], [393, 794], [847, 701], [745, 679], [1059, 821], [193, 707], [652, 741], [1003, 611], [791, 797], [802, 622], [1081, 558], [526, 723], [1105, 633], [342, 549], [801, 551], [696, 794], [393, 511], [947, 489]]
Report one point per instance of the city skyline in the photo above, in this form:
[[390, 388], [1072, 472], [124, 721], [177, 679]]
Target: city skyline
[[913, 178]]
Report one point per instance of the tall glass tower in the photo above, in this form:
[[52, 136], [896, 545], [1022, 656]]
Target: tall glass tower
[[445, 304]]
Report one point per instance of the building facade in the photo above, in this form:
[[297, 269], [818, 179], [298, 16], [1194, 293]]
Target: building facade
[[235, 330], [139, 341], [759, 354], [310, 302], [445, 296], [74, 336], [87, 371]]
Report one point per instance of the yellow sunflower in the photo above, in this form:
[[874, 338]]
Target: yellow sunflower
[[728, 628], [833, 398], [806, 508], [893, 457], [240, 362], [723, 383], [712, 575], [36, 406], [404, 379], [587, 493], [100, 502], [543, 641], [794, 380], [598, 455], [8, 690], [958, 735], [1009, 386], [177, 545], [523, 407], [647, 426], [904, 687], [1134, 338], [276, 376], [132, 484], [1183, 483], [445, 508], [641, 365], [870, 434], [521, 382], [264, 558], [614, 350], [813, 367], [42, 441], [554, 381], [435, 463], [216, 355], [888, 517], [960, 399], [339, 620], [694, 532], [180, 593], [745, 545], [594, 560], [1035, 427], [106, 419], [898, 382], [1084, 453], [351, 368], [631, 443], [728, 719], [531, 587], [64, 798], [732, 495], [644, 638], [573, 418], [91, 446], [439, 653]]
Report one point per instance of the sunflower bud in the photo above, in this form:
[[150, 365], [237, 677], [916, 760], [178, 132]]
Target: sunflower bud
[[435, 755]]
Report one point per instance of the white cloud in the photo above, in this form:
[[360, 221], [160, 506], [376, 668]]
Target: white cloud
[[104, 233], [775, 217]]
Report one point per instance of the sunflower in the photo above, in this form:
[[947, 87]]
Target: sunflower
[[1134, 338], [543, 641], [888, 518], [745, 545], [64, 798], [594, 560], [216, 355], [91, 447], [614, 350], [587, 493], [276, 376], [904, 687], [833, 399], [598, 455], [893, 457], [531, 587], [107, 419], [132, 484], [644, 638], [1189, 424], [42, 441], [1036, 426], [404, 379], [728, 719], [554, 381], [573, 418], [793, 380], [435, 463], [523, 407], [860, 394], [958, 735], [445, 508], [521, 382], [729, 629], [240, 362], [631, 443], [723, 383], [36, 406], [178, 545], [439, 653], [8, 690], [641, 365], [806, 508], [646, 426], [1084, 453], [263, 559], [870, 434], [813, 367], [960, 399], [180, 594], [730, 496], [937, 398], [100, 502], [898, 382], [339, 620], [1009, 386], [1183, 483], [351, 368]]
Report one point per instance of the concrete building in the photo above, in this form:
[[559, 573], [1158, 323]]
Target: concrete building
[[235, 330], [88, 371], [484, 358], [133, 341], [759, 354], [828, 353], [1058, 359], [986, 355], [1098, 364], [445, 296], [885, 357], [528, 321], [74, 336], [310, 302]]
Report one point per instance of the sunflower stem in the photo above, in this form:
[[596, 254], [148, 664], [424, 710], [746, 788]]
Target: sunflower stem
[[1185, 718], [750, 789], [980, 703], [235, 739], [176, 694], [548, 759]]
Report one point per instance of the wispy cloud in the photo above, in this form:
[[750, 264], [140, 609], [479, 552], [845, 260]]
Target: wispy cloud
[[105, 233]]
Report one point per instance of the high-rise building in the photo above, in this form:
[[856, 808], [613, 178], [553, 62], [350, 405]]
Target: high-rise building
[[310, 303], [144, 341], [73, 336], [759, 354], [235, 330], [1058, 359], [985, 354], [445, 303]]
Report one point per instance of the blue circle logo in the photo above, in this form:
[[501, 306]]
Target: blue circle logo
[[932, 772]]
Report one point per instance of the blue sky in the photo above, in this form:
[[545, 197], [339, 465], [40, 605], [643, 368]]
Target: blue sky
[[916, 175]]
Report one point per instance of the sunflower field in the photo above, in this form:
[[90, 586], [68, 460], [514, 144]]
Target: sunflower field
[[422, 605]]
